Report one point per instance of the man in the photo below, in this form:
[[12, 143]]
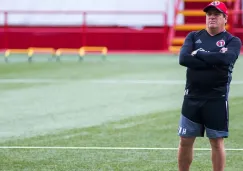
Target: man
[[209, 56]]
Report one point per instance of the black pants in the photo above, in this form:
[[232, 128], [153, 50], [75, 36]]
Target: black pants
[[200, 115]]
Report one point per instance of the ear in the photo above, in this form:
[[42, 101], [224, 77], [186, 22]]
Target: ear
[[225, 18]]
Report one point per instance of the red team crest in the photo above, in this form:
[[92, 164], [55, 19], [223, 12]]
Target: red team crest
[[215, 3], [220, 43]]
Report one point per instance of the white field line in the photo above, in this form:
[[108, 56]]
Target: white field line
[[107, 148], [17, 80], [163, 82], [111, 81]]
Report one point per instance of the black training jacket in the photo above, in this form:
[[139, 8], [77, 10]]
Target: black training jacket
[[209, 72]]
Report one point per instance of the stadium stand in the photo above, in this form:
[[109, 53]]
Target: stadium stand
[[163, 33], [194, 19]]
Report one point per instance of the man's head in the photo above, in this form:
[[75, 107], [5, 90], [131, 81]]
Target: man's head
[[216, 15]]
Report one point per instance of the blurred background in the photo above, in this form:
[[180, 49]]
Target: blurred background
[[120, 25]]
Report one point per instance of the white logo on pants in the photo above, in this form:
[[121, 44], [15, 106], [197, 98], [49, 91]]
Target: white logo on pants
[[182, 130]]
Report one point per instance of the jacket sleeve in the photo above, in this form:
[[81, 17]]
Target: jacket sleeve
[[185, 57], [218, 58]]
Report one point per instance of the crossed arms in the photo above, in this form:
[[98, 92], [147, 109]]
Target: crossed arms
[[202, 59]]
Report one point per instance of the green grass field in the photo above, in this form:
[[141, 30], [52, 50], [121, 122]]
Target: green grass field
[[116, 115]]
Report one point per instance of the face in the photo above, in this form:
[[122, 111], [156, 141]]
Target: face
[[215, 19]]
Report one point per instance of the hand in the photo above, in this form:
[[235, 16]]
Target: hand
[[195, 51], [223, 50]]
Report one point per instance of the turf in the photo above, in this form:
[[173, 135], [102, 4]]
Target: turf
[[125, 101]]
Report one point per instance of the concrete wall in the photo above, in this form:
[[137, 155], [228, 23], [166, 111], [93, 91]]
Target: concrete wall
[[141, 32], [88, 5]]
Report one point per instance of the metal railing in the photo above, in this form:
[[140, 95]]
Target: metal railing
[[83, 26]]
